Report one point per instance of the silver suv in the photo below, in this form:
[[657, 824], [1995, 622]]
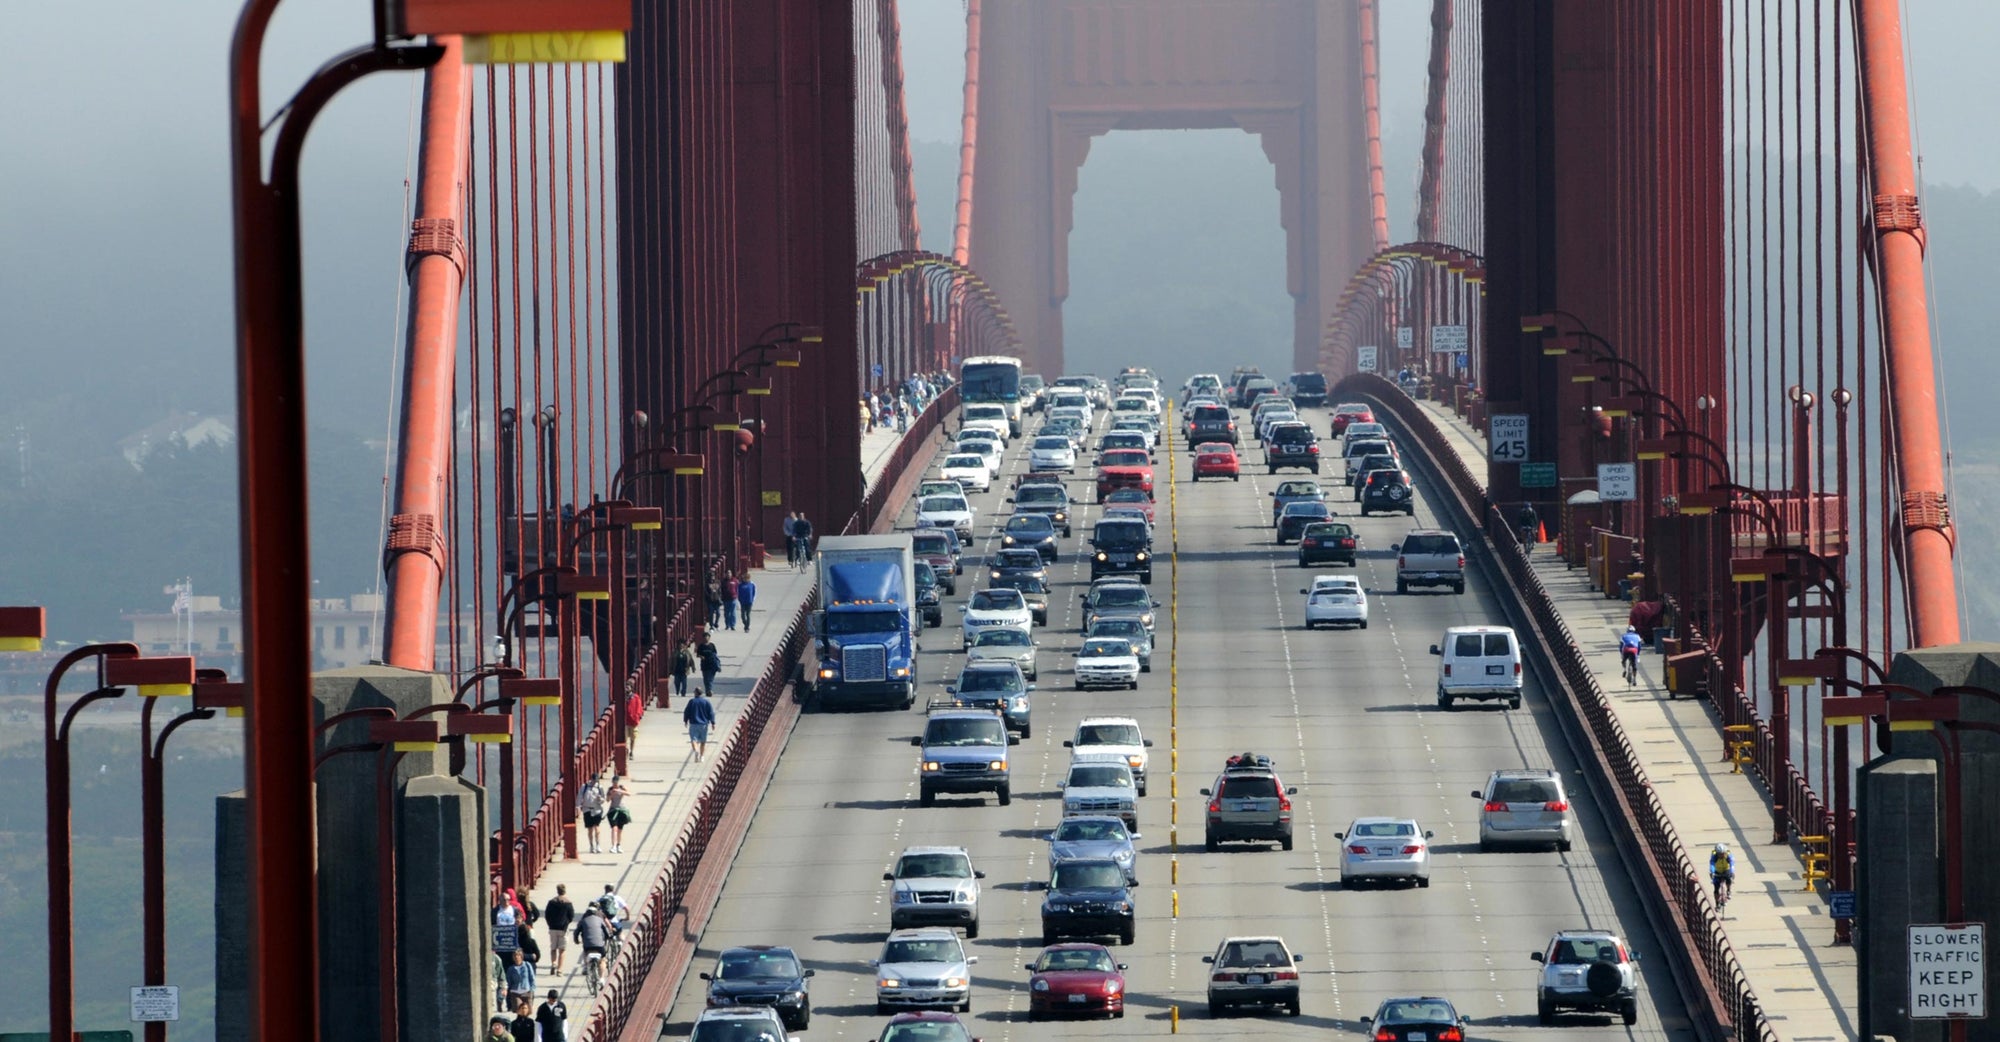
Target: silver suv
[[1524, 806], [1587, 970], [1430, 557], [935, 886], [1101, 784], [923, 969]]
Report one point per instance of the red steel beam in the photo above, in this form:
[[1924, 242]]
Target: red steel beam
[[1371, 102], [415, 555], [968, 144], [1430, 191], [1931, 587]]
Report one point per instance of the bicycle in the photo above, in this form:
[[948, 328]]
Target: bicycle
[[593, 970], [1631, 657], [1723, 884]]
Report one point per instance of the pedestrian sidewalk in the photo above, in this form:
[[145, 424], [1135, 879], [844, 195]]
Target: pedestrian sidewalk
[[662, 774], [1779, 927]]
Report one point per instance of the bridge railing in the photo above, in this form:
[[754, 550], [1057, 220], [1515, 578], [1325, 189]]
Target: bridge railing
[[1682, 906], [882, 491]]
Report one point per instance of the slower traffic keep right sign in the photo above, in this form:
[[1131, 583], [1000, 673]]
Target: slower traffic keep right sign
[[1947, 971]]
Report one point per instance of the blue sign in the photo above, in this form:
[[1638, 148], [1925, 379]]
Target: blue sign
[[1464, 359], [878, 370], [1842, 904]]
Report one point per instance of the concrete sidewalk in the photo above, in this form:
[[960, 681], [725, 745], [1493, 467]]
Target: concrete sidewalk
[[1781, 932], [663, 777]]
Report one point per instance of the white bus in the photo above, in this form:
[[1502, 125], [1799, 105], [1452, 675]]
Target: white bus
[[994, 379]]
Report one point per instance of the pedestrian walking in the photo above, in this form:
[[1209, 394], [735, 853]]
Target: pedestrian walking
[[520, 980], [711, 663], [524, 1026], [559, 914], [746, 595], [591, 802], [531, 949], [683, 664], [553, 1017], [699, 715], [713, 602], [617, 813], [729, 585], [498, 1029], [500, 982]]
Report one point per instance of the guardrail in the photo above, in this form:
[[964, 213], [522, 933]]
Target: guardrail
[[880, 493], [1708, 969]]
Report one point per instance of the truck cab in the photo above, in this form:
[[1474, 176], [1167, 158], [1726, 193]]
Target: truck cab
[[864, 631]]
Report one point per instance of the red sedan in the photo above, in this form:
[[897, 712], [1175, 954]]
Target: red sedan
[[1131, 498], [1350, 412], [1076, 978], [1217, 460]]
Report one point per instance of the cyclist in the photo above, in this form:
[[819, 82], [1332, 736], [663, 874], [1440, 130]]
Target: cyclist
[[1529, 524], [595, 934], [613, 908], [1722, 872], [1628, 653]]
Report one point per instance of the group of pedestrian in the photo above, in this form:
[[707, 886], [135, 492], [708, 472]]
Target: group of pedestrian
[[601, 804], [736, 592], [886, 407], [549, 1023], [696, 653], [798, 540]]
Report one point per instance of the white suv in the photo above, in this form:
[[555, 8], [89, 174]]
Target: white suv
[[1587, 970], [1118, 736], [934, 886]]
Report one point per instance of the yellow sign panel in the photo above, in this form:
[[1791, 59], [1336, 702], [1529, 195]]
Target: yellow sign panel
[[773, 498], [532, 48]]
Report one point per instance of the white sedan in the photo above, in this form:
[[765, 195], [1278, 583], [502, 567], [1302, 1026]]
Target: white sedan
[[951, 512], [1336, 606], [995, 609], [1384, 848], [1106, 662], [1051, 452], [986, 449], [969, 470]]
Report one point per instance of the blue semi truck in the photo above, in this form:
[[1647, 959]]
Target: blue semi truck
[[864, 631]]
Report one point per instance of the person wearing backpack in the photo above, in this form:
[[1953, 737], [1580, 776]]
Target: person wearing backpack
[[684, 663], [591, 802], [711, 663]]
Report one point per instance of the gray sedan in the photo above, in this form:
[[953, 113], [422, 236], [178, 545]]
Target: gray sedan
[[1091, 836], [1005, 645]]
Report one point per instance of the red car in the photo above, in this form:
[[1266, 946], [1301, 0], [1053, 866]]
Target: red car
[[1130, 497], [925, 1026], [1076, 979], [1350, 412], [1124, 468], [1215, 460]]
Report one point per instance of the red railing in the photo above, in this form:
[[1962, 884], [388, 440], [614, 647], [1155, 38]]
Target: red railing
[[1670, 881]]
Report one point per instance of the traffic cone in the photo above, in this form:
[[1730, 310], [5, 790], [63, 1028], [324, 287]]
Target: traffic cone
[[1541, 532]]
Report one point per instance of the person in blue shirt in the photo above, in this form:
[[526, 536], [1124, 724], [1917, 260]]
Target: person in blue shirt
[[1722, 872]]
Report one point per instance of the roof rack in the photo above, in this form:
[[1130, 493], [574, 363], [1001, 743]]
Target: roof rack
[[1247, 761], [936, 704]]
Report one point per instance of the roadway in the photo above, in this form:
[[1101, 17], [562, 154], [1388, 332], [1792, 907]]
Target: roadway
[[1350, 717]]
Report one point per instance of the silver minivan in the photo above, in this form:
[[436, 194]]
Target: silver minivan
[[1479, 662], [1525, 807]]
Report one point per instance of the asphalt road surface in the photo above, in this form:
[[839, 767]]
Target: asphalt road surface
[[1351, 720]]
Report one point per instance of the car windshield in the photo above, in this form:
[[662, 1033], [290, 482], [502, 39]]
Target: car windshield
[[1312, 509], [1052, 443], [1211, 414], [1254, 953], [1003, 680], [926, 575], [912, 950], [849, 623], [964, 731], [1089, 959], [749, 965], [931, 543], [1018, 559], [1430, 544], [1001, 638], [1029, 523], [1351, 409], [1123, 440], [1575, 951], [736, 1030], [1383, 829], [1327, 530], [1215, 449], [1379, 461], [1299, 488], [1023, 583], [1250, 788], [1367, 448], [1074, 876], [1120, 536], [1126, 495], [1123, 458], [1298, 435], [934, 866], [1420, 1011], [1091, 830], [1309, 381], [1091, 776], [1122, 596], [1386, 477], [1526, 790], [1039, 495], [965, 461], [943, 505], [1129, 404], [985, 412], [997, 600], [1108, 734], [1107, 648], [1118, 627], [926, 1031]]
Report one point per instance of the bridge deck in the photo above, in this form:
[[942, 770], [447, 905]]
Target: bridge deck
[[663, 776], [1781, 932]]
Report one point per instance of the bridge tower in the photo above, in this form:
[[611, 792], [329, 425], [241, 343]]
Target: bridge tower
[[1056, 74]]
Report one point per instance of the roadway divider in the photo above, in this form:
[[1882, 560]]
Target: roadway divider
[[659, 947], [1721, 1003]]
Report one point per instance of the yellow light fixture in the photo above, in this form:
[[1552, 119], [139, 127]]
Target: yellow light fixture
[[1911, 725], [1694, 511], [1554, 349], [490, 739], [1650, 455], [646, 526], [165, 690], [755, 392], [688, 472], [1843, 721], [20, 643], [594, 595], [1582, 378]]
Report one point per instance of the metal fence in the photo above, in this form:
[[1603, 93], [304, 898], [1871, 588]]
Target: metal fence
[[1669, 878]]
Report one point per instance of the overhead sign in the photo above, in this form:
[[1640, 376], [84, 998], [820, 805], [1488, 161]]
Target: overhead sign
[[1617, 482], [156, 1002], [1364, 358], [1447, 338], [1507, 438], [1405, 336], [1947, 971], [1538, 475]]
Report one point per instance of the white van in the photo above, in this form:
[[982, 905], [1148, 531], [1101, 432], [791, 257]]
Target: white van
[[1480, 662]]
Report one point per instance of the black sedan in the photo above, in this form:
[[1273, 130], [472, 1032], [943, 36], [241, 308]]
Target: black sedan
[[1327, 541], [1031, 532], [762, 975], [1292, 523], [1388, 491], [1429, 1018], [1012, 564]]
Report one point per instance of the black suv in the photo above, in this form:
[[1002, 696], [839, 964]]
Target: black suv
[[762, 975], [1248, 802], [1307, 389], [1210, 423], [1120, 547], [928, 604], [1088, 897], [1292, 445], [1388, 491], [1327, 541]]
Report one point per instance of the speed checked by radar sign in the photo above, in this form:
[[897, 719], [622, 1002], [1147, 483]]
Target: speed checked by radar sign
[[1507, 438]]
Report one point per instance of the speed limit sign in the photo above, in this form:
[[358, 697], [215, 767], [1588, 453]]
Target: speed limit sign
[[1507, 438]]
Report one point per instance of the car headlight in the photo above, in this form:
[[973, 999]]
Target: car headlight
[[998, 765], [902, 671], [1020, 701], [931, 765], [1041, 984], [888, 982], [826, 673], [1124, 906], [1146, 619], [1008, 541], [996, 571], [1102, 556], [1060, 516], [1113, 987], [1121, 856], [1136, 761], [954, 982], [904, 897], [1142, 555]]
